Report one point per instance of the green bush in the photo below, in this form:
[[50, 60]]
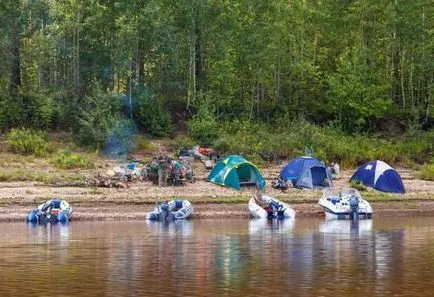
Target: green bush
[[143, 143], [101, 112], [11, 112], [181, 142], [69, 160], [29, 142], [153, 118], [243, 138], [328, 143], [427, 172], [204, 127]]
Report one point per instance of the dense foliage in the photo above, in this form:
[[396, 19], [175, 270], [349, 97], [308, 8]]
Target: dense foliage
[[290, 138], [83, 66], [29, 142]]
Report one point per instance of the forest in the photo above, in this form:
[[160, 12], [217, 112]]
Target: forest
[[354, 80]]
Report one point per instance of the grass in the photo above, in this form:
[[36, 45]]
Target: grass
[[358, 186], [69, 160], [143, 143], [46, 178], [29, 142], [427, 172]]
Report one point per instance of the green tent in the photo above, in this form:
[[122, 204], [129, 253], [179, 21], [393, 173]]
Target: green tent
[[235, 171]]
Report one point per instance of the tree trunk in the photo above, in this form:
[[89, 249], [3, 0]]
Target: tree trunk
[[77, 59], [402, 79], [15, 67]]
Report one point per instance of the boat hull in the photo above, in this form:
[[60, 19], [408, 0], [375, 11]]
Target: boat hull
[[61, 212], [285, 211], [170, 211], [345, 205]]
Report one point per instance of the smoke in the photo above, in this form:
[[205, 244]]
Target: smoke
[[120, 139]]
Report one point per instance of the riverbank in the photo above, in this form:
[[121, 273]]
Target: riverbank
[[209, 200]]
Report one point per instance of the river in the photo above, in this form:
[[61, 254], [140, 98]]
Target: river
[[305, 257]]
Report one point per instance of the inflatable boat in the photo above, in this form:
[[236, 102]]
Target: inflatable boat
[[270, 208], [171, 210], [345, 204], [52, 211]]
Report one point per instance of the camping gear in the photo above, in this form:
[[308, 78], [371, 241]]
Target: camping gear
[[380, 176], [206, 155], [235, 171], [52, 211], [209, 164], [279, 184], [105, 181], [344, 204], [306, 172], [270, 208], [171, 210]]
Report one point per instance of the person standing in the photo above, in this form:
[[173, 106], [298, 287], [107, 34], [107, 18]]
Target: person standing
[[163, 164]]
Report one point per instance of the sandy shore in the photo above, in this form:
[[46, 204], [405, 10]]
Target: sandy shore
[[209, 200]]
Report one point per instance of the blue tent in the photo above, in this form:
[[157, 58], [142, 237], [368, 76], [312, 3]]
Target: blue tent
[[380, 176], [306, 172]]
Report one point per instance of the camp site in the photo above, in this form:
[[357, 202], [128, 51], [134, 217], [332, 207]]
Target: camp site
[[216, 148]]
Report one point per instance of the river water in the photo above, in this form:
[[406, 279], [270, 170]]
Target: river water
[[305, 257]]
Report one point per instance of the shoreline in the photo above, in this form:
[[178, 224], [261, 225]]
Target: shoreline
[[17, 198], [137, 212]]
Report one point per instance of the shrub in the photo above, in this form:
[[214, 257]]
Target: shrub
[[154, 119], [69, 160], [99, 115], [203, 127], [143, 143], [11, 112], [427, 172], [29, 142], [181, 142], [328, 143]]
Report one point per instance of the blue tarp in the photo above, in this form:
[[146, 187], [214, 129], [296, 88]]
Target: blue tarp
[[306, 172], [380, 176]]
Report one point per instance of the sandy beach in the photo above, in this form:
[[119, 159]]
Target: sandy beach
[[209, 200]]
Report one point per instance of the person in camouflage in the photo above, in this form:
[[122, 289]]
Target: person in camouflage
[[163, 166]]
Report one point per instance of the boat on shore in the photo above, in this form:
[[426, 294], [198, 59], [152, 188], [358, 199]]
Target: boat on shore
[[51, 211], [270, 208], [344, 204], [171, 210]]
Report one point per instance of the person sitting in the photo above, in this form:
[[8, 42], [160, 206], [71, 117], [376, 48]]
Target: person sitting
[[334, 170], [325, 183]]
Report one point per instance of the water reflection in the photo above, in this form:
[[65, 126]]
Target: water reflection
[[175, 228], [48, 232], [219, 258], [345, 227], [264, 226]]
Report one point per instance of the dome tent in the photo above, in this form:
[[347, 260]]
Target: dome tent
[[306, 172], [380, 176], [235, 171]]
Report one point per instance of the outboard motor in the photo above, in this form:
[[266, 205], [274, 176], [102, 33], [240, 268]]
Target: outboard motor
[[33, 217], [164, 212], [277, 212], [354, 208]]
